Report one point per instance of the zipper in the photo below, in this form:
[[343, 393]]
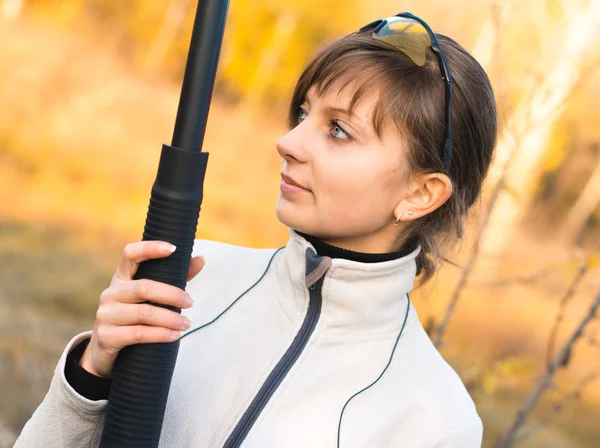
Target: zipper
[[279, 372]]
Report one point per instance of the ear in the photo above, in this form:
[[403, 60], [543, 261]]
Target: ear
[[426, 193]]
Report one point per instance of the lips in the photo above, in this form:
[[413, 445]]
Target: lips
[[291, 181]]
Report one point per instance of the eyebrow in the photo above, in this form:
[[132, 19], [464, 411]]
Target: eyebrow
[[330, 109], [345, 112]]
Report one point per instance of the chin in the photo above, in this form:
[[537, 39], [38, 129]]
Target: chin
[[290, 216], [285, 212]]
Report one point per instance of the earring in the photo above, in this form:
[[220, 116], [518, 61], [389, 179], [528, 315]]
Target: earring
[[410, 212], [398, 220]]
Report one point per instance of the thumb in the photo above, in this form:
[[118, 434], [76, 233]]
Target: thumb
[[196, 265]]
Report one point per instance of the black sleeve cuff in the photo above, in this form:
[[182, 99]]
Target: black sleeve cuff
[[85, 383]]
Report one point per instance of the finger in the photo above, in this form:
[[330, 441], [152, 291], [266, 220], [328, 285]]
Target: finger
[[196, 265], [134, 253], [141, 334], [121, 314], [136, 291]]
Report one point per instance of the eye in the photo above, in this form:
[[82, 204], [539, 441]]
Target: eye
[[337, 132], [301, 115]]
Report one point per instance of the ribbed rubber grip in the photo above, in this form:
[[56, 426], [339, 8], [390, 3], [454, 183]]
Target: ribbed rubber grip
[[142, 372]]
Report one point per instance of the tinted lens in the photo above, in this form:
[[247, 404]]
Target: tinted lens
[[408, 36]]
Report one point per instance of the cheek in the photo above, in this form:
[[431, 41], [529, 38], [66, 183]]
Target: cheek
[[353, 189]]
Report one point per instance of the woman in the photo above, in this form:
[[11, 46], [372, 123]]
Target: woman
[[315, 344]]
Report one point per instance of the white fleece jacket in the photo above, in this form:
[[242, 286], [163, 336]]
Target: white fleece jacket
[[419, 401]]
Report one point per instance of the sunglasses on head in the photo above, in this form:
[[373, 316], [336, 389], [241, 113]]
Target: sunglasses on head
[[412, 36]]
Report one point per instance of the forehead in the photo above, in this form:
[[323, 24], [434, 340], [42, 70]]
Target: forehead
[[342, 94], [347, 93]]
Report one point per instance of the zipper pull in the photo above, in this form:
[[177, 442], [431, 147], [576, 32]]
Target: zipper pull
[[316, 267]]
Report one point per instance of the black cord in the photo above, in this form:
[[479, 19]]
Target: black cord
[[380, 375], [233, 303], [360, 391]]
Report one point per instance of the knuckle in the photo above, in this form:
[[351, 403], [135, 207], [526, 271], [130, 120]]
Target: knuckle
[[145, 312], [137, 334], [105, 296], [101, 315], [141, 288], [128, 251], [102, 337]]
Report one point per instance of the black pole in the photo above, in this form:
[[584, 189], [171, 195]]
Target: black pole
[[199, 77], [142, 372]]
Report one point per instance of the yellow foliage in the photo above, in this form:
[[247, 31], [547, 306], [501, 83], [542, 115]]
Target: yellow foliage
[[574, 264], [592, 261], [278, 37], [261, 37], [555, 9], [557, 149], [582, 258], [511, 191], [508, 374]]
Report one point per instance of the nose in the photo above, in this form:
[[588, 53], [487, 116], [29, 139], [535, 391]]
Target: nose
[[291, 146]]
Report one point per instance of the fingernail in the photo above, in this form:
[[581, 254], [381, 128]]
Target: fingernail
[[189, 302], [168, 247], [176, 334], [186, 323]]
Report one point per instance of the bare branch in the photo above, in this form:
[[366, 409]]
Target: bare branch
[[592, 340], [517, 280], [515, 131], [544, 109], [469, 265], [491, 32], [561, 359], [559, 407], [561, 310]]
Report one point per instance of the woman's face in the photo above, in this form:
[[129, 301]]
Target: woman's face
[[352, 181]]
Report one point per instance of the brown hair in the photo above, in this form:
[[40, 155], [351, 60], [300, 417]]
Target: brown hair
[[412, 98]]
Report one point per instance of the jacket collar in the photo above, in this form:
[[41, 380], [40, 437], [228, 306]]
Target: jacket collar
[[359, 299], [324, 248]]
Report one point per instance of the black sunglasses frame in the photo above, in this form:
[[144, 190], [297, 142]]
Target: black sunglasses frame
[[446, 77]]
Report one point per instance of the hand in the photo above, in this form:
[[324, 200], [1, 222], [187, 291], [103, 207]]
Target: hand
[[123, 319]]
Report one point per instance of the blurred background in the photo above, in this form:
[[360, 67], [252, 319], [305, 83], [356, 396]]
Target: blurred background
[[89, 91]]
